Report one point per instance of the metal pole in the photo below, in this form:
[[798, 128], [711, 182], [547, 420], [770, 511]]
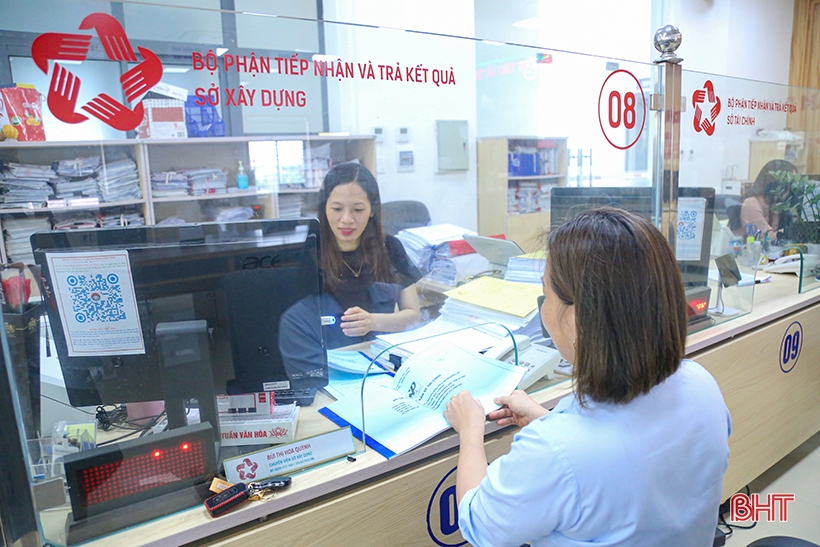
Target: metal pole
[[667, 41]]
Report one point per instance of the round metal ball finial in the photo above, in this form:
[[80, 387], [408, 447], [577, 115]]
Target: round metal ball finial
[[667, 41]]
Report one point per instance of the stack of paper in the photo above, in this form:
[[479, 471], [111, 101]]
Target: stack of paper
[[76, 188], [488, 299], [207, 181], [229, 214], [17, 231], [119, 181], [422, 243], [78, 167], [290, 206], [169, 184], [25, 185], [75, 220], [317, 164], [527, 268], [459, 332], [126, 217]]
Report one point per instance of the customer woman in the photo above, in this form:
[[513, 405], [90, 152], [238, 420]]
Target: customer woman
[[368, 275], [756, 210], [636, 454]]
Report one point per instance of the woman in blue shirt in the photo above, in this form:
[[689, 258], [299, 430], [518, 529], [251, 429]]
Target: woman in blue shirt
[[636, 455]]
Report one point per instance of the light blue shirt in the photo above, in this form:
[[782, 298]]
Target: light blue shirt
[[647, 473]]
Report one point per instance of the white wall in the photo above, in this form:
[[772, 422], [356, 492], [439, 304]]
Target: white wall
[[357, 106], [739, 38], [745, 40]]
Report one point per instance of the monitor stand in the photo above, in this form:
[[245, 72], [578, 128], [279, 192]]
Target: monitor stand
[[185, 365]]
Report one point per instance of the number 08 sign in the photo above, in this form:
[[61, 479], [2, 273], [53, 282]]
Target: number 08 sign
[[622, 109]]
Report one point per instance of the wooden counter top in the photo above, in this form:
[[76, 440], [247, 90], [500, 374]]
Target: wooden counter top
[[773, 300]]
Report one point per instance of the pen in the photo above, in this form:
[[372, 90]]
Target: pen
[[763, 279]]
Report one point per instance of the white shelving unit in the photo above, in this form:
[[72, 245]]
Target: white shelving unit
[[157, 155]]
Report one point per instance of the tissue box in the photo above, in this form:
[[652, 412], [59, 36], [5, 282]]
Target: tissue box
[[278, 427]]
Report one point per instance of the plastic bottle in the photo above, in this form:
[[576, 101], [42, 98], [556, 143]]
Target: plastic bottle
[[241, 177]]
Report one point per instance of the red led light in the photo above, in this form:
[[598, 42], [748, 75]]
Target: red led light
[[157, 453], [185, 446], [700, 304]]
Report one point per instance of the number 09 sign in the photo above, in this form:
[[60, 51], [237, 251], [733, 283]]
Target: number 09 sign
[[621, 109]]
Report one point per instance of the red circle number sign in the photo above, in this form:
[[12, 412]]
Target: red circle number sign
[[621, 109]]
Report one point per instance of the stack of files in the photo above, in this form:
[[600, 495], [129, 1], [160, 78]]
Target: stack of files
[[207, 181], [79, 167], [317, 164], [290, 206], [75, 220], [229, 214], [490, 299], [25, 185], [463, 333], [119, 181], [124, 218], [77, 188], [421, 243], [168, 184], [17, 231], [528, 268], [28, 171]]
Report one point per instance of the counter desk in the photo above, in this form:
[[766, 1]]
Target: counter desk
[[410, 499]]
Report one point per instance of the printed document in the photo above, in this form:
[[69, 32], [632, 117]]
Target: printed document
[[406, 413]]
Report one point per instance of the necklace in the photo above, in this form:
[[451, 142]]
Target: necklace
[[354, 272]]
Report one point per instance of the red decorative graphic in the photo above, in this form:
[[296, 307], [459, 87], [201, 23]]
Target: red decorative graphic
[[278, 432], [65, 86], [707, 94], [112, 36], [251, 474]]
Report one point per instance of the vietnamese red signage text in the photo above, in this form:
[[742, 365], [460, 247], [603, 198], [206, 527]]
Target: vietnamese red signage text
[[776, 507]]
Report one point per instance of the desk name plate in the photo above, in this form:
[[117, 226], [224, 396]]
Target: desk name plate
[[294, 456]]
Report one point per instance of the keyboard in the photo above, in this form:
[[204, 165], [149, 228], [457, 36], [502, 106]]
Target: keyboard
[[302, 397]]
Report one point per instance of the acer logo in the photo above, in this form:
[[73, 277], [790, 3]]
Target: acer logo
[[264, 261]]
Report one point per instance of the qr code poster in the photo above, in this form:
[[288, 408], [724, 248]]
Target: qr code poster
[[97, 304], [691, 220]]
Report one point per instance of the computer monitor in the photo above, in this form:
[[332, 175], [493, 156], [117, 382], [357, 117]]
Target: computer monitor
[[208, 300], [566, 203]]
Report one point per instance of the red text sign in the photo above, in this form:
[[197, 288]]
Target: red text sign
[[621, 107]]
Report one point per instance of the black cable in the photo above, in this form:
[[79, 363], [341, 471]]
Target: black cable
[[731, 527]]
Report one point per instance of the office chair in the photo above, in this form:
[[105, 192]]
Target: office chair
[[398, 215], [781, 541]]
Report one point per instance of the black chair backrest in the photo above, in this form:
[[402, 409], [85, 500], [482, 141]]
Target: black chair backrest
[[781, 541], [398, 215]]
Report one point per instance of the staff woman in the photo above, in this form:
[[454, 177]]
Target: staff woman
[[368, 274], [636, 455]]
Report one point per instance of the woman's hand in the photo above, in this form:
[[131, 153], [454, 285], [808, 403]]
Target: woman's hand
[[517, 409], [465, 413], [356, 322]]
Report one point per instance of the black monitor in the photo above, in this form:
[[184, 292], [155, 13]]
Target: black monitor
[[209, 300], [566, 202]]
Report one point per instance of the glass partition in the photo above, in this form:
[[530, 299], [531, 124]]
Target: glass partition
[[215, 130], [752, 142]]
